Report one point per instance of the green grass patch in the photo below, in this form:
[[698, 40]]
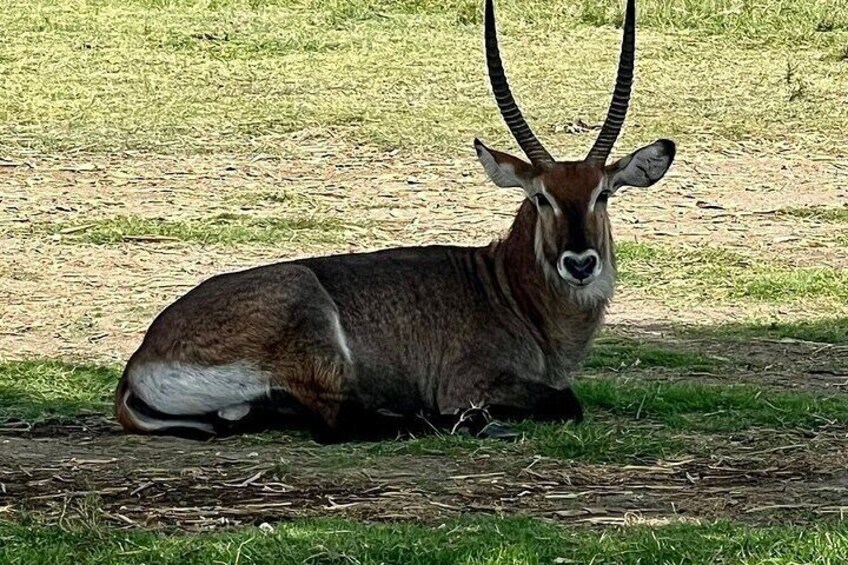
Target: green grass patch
[[752, 19], [36, 390], [820, 213], [604, 439], [826, 330], [715, 274], [285, 77], [471, 541], [617, 353], [711, 408], [756, 20], [627, 418], [795, 284], [223, 229]]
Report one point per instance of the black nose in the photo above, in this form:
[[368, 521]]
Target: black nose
[[580, 267]]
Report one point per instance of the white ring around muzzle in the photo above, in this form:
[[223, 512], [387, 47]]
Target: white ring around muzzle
[[579, 257]]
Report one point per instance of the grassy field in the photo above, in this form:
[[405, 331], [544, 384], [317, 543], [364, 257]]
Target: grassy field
[[470, 541], [146, 145]]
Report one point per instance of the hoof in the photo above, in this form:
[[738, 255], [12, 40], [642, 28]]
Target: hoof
[[234, 413], [499, 430], [471, 422]]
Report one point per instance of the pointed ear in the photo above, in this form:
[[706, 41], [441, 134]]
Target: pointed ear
[[643, 167], [505, 170]]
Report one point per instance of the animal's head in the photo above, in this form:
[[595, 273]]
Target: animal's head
[[573, 243]]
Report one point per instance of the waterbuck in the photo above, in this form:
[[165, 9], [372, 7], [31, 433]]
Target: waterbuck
[[357, 339]]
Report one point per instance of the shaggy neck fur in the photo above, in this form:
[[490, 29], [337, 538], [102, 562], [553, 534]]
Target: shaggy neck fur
[[563, 315]]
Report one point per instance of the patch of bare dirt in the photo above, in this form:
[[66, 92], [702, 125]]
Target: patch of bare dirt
[[63, 298], [778, 363], [96, 473]]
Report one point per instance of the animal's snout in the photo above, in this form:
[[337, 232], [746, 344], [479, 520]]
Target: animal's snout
[[580, 266]]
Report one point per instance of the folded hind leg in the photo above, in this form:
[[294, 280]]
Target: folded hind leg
[[226, 344], [315, 369], [306, 368], [306, 350]]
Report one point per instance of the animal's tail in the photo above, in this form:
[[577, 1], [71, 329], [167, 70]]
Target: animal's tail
[[137, 417]]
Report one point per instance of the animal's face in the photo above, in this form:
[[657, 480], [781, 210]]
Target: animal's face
[[573, 239], [572, 230]]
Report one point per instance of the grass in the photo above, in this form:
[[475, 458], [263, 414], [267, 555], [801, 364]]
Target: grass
[[676, 272], [684, 405], [828, 330], [223, 229], [754, 20], [714, 274], [51, 388], [616, 354], [705, 274], [42, 390], [603, 438], [320, 79], [470, 541], [820, 213], [292, 78], [47, 389]]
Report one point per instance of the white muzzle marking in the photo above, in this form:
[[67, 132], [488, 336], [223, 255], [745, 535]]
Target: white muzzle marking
[[579, 258]]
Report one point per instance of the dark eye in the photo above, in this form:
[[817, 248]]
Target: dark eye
[[542, 201]]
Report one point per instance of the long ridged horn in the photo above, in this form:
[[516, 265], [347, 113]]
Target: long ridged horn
[[621, 97], [515, 121]]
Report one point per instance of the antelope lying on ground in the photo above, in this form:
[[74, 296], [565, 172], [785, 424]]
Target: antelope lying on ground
[[352, 340]]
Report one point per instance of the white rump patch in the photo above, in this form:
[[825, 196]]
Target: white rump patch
[[178, 388]]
